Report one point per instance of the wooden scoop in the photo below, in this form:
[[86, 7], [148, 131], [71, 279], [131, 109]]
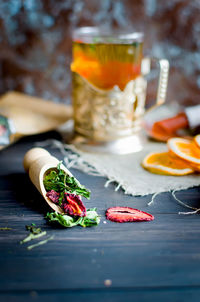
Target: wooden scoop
[[37, 163]]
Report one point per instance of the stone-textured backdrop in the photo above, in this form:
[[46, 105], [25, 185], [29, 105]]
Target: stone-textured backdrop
[[35, 42]]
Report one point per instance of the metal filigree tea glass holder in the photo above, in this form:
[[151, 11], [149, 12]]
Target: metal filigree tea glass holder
[[108, 111]]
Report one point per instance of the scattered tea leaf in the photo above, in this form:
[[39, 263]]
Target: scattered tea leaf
[[34, 230], [34, 233], [30, 247], [32, 236]]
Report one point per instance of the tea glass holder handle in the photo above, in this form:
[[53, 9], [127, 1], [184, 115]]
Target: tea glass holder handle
[[162, 81]]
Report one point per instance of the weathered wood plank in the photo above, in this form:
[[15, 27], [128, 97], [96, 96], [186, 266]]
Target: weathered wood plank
[[160, 254], [183, 294]]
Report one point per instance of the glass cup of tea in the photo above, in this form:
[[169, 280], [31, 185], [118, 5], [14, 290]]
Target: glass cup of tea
[[109, 89]]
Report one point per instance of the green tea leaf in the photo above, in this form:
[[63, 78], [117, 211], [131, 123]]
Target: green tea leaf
[[33, 229], [32, 236], [52, 181], [30, 247], [65, 220], [91, 219]]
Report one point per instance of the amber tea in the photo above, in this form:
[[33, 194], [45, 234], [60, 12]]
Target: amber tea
[[106, 65]]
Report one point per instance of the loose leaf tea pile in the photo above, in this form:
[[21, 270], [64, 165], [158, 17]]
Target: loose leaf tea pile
[[66, 192], [60, 182]]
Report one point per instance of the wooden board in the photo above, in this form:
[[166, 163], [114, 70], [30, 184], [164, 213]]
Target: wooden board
[[32, 115], [148, 261]]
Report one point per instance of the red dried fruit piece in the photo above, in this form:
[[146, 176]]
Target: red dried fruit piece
[[167, 128], [53, 196], [126, 214], [74, 205], [171, 125]]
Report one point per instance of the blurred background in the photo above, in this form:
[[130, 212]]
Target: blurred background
[[35, 42]]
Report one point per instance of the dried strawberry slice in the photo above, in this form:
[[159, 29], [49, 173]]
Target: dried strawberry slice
[[126, 214], [74, 205], [53, 196]]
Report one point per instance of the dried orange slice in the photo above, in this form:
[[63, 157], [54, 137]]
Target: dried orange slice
[[197, 140], [163, 163], [185, 149]]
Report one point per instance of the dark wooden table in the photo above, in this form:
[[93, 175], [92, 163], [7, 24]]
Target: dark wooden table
[[147, 261]]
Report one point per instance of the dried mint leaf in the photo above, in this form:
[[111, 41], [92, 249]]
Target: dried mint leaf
[[32, 236], [59, 181], [91, 219], [33, 229]]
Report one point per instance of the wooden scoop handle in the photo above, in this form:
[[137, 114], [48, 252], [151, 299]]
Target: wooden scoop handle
[[32, 155]]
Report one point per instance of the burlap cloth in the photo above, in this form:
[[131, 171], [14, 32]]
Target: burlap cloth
[[125, 170]]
